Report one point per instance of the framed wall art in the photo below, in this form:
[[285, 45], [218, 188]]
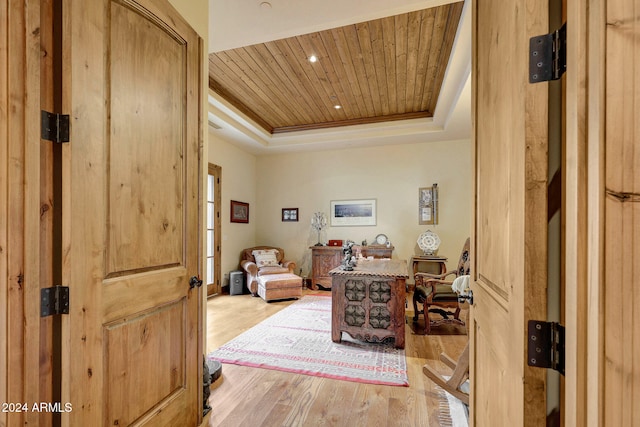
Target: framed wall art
[[290, 215], [239, 212], [428, 205], [353, 212]]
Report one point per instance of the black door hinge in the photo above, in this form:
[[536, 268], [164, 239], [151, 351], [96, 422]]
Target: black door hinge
[[54, 126], [54, 300], [548, 56], [546, 345]]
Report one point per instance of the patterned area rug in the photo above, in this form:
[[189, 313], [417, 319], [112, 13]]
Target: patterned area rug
[[451, 411], [298, 339]]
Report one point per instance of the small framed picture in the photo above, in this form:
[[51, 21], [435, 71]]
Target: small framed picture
[[428, 205], [239, 212], [290, 215]]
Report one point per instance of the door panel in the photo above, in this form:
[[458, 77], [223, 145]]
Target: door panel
[[622, 215], [130, 215], [148, 175], [509, 248], [148, 339]]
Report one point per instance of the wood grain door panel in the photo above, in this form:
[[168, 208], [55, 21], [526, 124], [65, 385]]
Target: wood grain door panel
[[131, 215], [509, 245], [148, 176]]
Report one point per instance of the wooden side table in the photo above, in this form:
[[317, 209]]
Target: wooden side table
[[428, 264], [368, 303]]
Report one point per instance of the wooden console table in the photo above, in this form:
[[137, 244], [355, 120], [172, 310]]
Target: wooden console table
[[325, 258], [368, 302]]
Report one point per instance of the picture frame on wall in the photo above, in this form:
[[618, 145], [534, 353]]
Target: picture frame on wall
[[349, 213], [428, 205], [239, 212], [290, 215]]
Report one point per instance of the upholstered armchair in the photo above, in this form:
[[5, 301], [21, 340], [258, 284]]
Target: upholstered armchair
[[263, 260], [436, 294]]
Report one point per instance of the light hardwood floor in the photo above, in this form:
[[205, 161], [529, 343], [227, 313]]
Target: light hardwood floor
[[245, 396]]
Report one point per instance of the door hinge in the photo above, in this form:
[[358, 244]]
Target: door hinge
[[54, 126], [54, 300], [548, 56], [546, 345]]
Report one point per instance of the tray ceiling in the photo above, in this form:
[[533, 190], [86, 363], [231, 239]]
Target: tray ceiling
[[380, 70]]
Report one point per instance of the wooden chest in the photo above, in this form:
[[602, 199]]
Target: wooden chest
[[368, 303]]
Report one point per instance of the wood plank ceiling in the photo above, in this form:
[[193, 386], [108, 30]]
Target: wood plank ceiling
[[381, 70]]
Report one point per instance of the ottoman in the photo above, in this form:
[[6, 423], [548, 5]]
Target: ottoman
[[279, 286]]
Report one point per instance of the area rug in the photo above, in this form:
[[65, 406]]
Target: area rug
[[298, 339], [451, 411]]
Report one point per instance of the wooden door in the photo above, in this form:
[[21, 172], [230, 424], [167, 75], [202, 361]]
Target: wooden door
[[26, 213], [603, 213], [510, 221], [214, 225], [132, 340], [621, 198]]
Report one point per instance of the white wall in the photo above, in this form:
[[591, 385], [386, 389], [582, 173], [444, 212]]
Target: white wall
[[392, 175], [239, 182], [196, 13]]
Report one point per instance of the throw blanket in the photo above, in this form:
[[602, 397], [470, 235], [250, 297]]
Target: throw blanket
[[461, 285]]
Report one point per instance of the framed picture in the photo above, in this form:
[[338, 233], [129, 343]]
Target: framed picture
[[353, 212], [428, 205], [239, 211], [290, 214]]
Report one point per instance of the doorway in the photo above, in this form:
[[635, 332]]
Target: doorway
[[213, 229]]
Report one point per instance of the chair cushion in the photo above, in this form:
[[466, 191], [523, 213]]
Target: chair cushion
[[445, 297], [444, 289], [277, 269], [266, 257]]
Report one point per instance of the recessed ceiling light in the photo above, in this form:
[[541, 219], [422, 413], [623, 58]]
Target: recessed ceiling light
[[337, 107], [313, 58], [265, 5]]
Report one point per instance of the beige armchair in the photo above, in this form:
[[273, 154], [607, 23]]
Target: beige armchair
[[253, 270]]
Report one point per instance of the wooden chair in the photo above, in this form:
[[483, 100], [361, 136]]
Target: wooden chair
[[435, 294], [458, 378]]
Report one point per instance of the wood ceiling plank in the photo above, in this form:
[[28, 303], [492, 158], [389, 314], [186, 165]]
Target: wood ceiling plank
[[275, 87], [377, 48], [435, 49], [294, 88], [332, 63], [326, 75], [352, 46], [424, 50], [243, 87], [401, 23], [366, 50], [389, 48], [275, 115], [414, 21], [436, 77], [222, 79], [284, 56]]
